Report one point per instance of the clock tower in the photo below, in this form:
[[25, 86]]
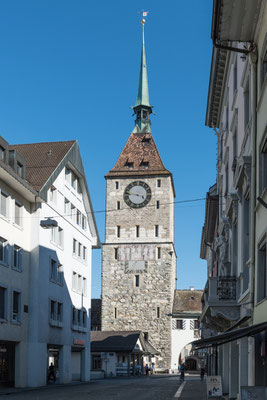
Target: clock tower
[[138, 256]]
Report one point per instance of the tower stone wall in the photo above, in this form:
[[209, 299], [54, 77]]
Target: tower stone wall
[[148, 305]]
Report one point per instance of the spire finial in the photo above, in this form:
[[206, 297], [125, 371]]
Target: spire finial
[[142, 106]]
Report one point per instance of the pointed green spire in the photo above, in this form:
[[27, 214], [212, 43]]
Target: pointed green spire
[[142, 95], [142, 107]]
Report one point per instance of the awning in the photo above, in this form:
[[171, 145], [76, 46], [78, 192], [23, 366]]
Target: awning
[[229, 336]]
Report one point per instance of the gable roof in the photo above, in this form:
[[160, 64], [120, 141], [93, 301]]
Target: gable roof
[[42, 159], [45, 162], [187, 302], [139, 150], [114, 340]]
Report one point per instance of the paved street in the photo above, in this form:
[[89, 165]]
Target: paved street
[[145, 388]]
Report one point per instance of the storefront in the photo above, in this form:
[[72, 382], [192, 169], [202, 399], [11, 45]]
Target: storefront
[[7, 363]]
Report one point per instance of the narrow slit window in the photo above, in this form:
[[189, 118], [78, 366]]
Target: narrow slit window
[[118, 231], [159, 183], [118, 205], [137, 281], [156, 230], [117, 185], [137, 230], [116, 253], [115, 312], [159, 252], [157, 204], [158, 312]]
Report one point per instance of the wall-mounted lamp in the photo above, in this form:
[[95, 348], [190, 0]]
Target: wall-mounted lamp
[[48, 223]]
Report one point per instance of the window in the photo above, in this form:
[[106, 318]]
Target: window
[[84, 320], [84, 222], [78, 218], [196, 324], [3, 303], [158, 312], [67, 175], [57, 236], [3, 251], [158, 183], [226, 179], [56, 313], [18, 214], [115, 312], [180, 324], [59, 311], [74, 316], [17, 257], [116, 253], [118, 205], [66, 207], [137, 281], [16, 314], [235, 77], [74, 281], [84, 288], [4, 204], [56, 272], [262, 273], [74, 246], [227, 117], [234, 150], [263, 66], [157, 204], [146, 335], [246, 105], [118, 231], [117, 185], [263, 165], [158, 252], [53, 314], [79, 250], [80, 282], [84, 253], [73, 180], [137, 230], [53, 195], [2, 153], [19, 169], [156, 230], [73, 212]]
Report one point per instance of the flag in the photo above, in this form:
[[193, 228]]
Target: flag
[[145, 13]]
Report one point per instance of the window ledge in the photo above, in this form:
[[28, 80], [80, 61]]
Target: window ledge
[[4, 218], [13, 322], [17, 269], [56, 324], [18, 226]]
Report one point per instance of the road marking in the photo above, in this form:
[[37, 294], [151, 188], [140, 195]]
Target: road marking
[[179, 391]]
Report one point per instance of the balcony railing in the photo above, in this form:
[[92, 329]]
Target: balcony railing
[[226, 288]]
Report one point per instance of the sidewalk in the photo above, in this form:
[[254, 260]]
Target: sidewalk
[[192, 389]]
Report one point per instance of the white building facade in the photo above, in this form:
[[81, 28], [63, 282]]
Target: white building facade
[[55, 303]]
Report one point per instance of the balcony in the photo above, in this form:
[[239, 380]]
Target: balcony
[[220, 307]]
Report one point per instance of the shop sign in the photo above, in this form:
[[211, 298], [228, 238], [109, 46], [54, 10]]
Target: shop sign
[[214, 386], [79, 342]]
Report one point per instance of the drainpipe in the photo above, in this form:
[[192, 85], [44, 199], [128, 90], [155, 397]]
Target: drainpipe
[[253, 60]]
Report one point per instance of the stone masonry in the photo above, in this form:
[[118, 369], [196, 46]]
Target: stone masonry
[[146, 307]]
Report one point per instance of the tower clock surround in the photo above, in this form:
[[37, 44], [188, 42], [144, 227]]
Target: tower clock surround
[[137, 194]]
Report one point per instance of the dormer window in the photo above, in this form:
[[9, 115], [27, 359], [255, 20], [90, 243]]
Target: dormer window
[[146, 140], [144, 163], [129, 164], [2, 153], [19, 169]]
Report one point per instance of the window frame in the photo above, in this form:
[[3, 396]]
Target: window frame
[[16, 320], [7, 196], [20, 205], [18, 256], [5, 307]]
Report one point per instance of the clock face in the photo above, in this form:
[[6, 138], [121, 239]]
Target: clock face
[[137, 194]]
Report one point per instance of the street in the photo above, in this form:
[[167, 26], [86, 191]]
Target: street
[[146, 388]]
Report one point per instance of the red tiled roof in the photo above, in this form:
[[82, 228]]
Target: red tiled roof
[[139, 156], [42, 159]]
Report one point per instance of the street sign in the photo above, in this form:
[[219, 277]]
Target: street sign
[[214, 386]]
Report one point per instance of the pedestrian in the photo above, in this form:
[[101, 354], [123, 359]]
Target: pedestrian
[[51, 372], [181, 369], [202, 373], [146, 369]]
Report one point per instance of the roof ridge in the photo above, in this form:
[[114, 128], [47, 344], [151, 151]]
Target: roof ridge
[[60, 141]]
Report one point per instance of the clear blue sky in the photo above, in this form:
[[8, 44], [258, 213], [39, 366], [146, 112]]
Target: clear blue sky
[[69, 70]]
